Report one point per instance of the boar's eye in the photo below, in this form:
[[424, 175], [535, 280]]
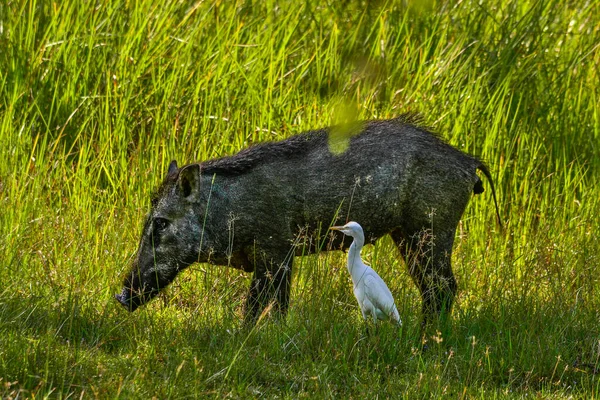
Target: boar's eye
[[160, 224]]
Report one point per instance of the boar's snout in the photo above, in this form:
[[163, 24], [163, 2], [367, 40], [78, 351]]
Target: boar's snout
[[127, 301]]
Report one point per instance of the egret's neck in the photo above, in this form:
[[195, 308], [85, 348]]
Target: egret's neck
[[355, 265]]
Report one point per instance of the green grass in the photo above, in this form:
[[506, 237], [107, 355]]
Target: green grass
[[97, 97]]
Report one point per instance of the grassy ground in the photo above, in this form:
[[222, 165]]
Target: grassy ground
[[97, 97]]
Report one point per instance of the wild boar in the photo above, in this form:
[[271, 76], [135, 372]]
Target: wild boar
[[248, 210]]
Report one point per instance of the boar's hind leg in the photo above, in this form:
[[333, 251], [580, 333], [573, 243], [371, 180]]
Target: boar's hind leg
[[270, 284], [428, 262]]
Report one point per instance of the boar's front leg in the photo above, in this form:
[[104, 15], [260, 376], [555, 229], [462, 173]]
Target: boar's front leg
[[270, 284]]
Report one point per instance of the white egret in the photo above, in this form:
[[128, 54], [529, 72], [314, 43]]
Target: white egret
[[373, 295]]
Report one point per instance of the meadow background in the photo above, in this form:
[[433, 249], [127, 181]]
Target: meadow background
[[97, 97]]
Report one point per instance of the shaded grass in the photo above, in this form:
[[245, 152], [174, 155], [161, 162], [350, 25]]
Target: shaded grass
[[96, 99]]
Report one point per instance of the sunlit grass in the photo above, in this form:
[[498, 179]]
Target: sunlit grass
[[97, 98]]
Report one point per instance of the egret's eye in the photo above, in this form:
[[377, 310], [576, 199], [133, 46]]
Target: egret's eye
[[160, 224]]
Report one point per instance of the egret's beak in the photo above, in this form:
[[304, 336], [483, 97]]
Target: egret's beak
[[336, 228]]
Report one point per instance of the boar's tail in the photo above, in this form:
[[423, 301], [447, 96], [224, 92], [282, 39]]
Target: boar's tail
[[479, 189]]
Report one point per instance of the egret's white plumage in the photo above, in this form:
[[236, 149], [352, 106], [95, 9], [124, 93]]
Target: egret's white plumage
[[373, 295]]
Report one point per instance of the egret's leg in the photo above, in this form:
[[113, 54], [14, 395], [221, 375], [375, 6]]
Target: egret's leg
[[364, 314], [366, 324], [375, 322]]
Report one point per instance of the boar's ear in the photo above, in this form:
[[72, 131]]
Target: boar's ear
[[189, 180], [172, 168]]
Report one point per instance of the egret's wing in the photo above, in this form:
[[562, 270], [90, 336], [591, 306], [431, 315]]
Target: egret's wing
[[378, 293]]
